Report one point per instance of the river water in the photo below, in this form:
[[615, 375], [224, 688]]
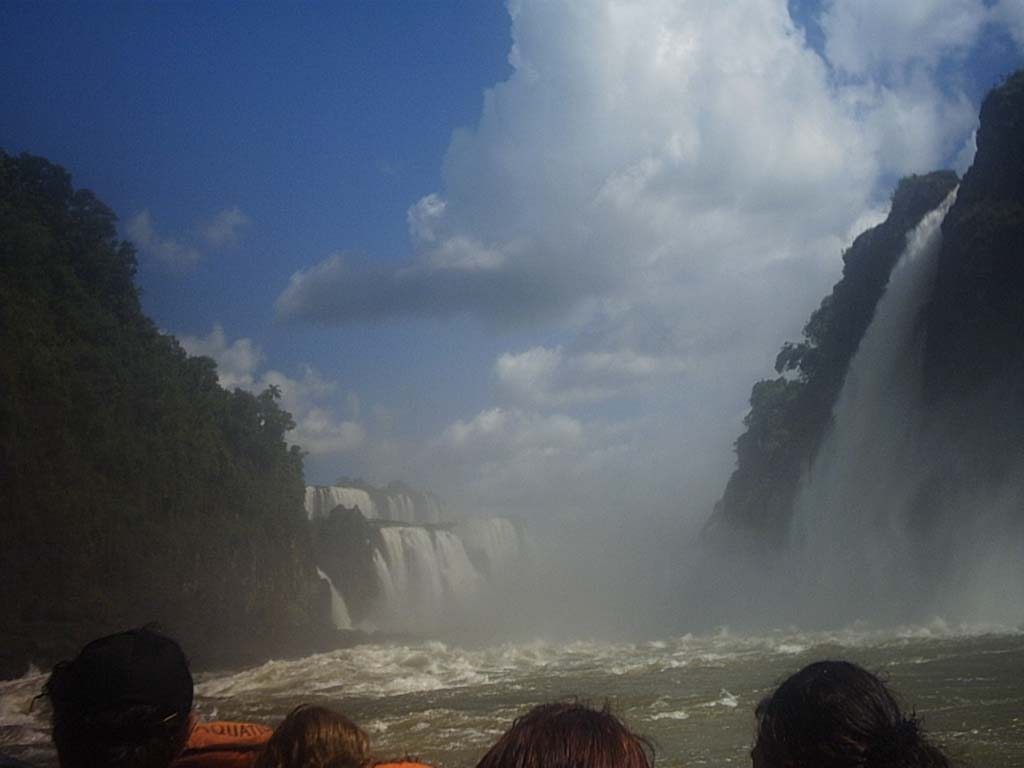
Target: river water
[[693, 695]]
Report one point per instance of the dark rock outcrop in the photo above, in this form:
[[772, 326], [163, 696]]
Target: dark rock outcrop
[[974, 350], [344, 543], [975, 320]]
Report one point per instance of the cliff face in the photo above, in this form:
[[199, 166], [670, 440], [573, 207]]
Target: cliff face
[[133, 488], [975, 321], [344, 544], [789, 415], [974, 352]]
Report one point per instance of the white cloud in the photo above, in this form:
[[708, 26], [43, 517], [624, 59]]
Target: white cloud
[[520, 461], [914, 126], [497, 428], [651, 153], [866, 37], [317, 404], [634, 144], [673, 183], [464, 253], [546, 377], [225, 228], [1011, 13], [166, 251], [237, 361], [422, 217], [965, 156], [222, 230]]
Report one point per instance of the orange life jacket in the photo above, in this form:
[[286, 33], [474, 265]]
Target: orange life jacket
[[221, 744]]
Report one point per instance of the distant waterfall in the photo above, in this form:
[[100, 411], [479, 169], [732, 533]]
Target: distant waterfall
[[320, 500], [424, 575], [850, 515], [402, 568], [394, 503], [494, 543], [339, 612]]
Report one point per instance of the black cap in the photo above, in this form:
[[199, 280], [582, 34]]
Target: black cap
[[137, 667]]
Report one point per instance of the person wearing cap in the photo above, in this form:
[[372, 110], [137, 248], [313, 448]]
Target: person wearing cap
[[125, 701]]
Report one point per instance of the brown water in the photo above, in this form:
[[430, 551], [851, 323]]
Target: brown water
[[693, 695]]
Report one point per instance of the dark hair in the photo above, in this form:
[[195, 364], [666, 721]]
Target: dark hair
[[569, 735], [836, 714], [124, 701], [315, 737]]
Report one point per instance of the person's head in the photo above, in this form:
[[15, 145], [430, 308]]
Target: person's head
[[123, 702], [563, 735], [315, 737], [836, 714]]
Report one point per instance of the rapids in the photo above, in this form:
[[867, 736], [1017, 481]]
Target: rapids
[[694, 695]]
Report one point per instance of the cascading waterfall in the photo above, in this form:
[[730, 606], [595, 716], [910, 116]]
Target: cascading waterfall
[[494, 543], [423, 577], [403, 569], [850, 518], [401, 508], [395, 503], [432, 512], [339, 611], [320, 500]]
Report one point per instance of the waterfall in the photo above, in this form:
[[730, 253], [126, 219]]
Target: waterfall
[[401, 508], [339, 612], [432, 512], [395, 503], [320, 500], [423, 577], [850, 516], [493, 543], [416, 573]]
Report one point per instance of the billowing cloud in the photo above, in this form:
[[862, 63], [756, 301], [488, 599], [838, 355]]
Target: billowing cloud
[[225, 228], [653, 152], [220, 231], [660, 192], [166, 251], [237, 361], [461, 277], [326, 418], [317, 405], [511, 458], [1011, 13], [880, 38], [548, 377]]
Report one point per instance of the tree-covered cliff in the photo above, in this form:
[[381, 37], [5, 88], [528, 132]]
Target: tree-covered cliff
[[790, 414], [133, 488]]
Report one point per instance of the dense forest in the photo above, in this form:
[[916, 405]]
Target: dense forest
[[133, 487], [974, 342]]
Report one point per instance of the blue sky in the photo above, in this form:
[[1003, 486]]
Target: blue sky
[[531, 257]]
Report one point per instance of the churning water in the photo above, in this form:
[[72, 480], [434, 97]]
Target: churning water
[[694, 695]]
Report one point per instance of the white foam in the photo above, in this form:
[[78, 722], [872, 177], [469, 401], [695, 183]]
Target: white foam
[[681, 714], [378, 671]]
